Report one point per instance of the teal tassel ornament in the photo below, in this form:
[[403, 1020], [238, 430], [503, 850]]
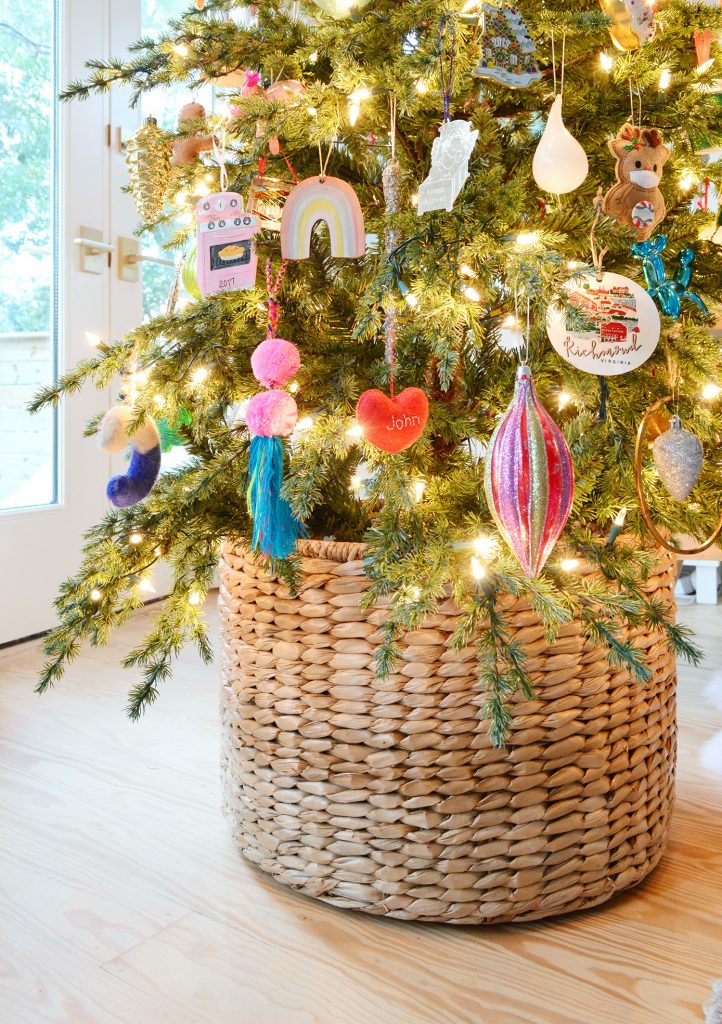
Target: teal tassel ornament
[[275, 528]]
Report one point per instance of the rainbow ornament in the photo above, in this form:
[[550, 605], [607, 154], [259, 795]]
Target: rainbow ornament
[[332, 201], [529, 477]]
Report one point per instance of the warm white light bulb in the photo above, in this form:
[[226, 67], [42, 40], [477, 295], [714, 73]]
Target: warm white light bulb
[[711, 391], [293, 387], [159, 401], [419, 489], [421, 87], [527, 238], [415, 199], [355, 482], [620, 517], [477, 569], [411, 300], [181, 50], [471, 293], [485, 546], [201, 189], [665, 78], [686, 182], [96, 595], [305, 424], [136, 538], [194, 598], [200, 375], [92, 339], [467, 271], [146, 586], [570, 564], [564, 399], [355, 432], [353, 113], [606, 61], [312, 111], [313, 57]]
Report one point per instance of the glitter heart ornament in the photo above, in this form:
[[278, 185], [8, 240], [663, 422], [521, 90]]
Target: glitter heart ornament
[[678, 456], [529, 477]]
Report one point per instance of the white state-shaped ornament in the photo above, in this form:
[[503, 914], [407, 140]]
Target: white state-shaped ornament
[[560, 164], [450, 155], [612, 326]]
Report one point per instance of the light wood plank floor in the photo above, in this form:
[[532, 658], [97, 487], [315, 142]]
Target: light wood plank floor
[[123, 899]]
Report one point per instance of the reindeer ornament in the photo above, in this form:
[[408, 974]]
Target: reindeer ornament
[[635, 201]]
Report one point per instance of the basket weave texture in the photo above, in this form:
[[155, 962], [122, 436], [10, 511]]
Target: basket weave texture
[[385, 795]]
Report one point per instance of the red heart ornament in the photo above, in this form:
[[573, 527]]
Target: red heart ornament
[[392, 424]]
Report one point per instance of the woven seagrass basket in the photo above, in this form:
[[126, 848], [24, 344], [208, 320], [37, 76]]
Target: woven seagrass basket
[[385, 795]]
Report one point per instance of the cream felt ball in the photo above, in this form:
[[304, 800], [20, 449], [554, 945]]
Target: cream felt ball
[[275, 361], [271, 414]]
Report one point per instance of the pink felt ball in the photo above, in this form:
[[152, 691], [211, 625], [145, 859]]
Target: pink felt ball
[[275, 361], [271, 414]]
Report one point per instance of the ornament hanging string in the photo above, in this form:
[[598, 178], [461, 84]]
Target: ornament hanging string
[[597, 254], [219, 156], [525, 360], [446, 78], [631, 104], [263, 160], [554, 64], [324, 163], [274, 287]]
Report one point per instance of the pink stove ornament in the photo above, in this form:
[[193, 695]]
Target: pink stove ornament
[[226, 254]]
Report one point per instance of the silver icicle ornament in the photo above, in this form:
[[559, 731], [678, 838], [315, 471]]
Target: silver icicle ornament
[[678, 456]]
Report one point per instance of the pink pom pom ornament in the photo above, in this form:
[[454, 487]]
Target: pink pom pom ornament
[[275, 361], [271, 414]]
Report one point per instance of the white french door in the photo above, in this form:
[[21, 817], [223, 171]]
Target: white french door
[[61, 171]]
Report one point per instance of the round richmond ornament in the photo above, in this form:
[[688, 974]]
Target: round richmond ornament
[[610, 326]]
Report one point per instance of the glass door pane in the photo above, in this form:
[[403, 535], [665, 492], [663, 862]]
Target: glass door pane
[[28, 240]]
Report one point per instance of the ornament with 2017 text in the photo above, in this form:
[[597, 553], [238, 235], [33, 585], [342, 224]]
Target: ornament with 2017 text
[[610, 326]]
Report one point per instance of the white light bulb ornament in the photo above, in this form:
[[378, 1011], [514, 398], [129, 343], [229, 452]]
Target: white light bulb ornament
[[560, 164]]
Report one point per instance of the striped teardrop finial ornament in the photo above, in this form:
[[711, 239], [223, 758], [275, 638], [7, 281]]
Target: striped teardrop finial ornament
[[529, 477]]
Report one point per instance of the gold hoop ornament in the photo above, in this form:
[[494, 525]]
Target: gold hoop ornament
[[644, 508]]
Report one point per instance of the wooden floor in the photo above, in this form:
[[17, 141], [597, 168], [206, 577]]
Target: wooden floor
[[123, 899]]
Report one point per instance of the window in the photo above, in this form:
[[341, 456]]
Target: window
[[28, 238]]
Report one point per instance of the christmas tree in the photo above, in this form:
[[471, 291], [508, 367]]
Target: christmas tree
[[448, 301]]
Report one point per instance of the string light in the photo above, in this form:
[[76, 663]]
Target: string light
[[96, 595], [201, 189], [313, 57], [687, 181], [467, 271], [471, 293], [477, 569], [419, 487], [194, 599], [617, 526], [570, 564], [664, 79], [181, 50], [485, 546], [421, 87], [159, 400], [146, 587], [92, 339], [186, 217], [564, 399], [527, 238], [200, 375], [355, 482], [305, 424], [574, 264], [293, 387], [136, 538], [354, 103], [415, 199], [606, 61], [355, 432], [409, 298], [312, 111], [711, 391]]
